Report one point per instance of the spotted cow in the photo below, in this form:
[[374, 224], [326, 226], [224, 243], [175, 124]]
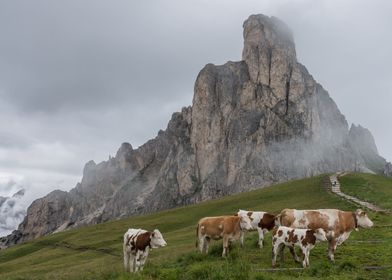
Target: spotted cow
[[228, 228], [260, 221], [136, 246], [337, 224], [291, 237]]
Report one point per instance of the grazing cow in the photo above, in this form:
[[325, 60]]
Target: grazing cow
[[228, 228], [338, 224], [260, 221], [136, 246], [290, 237]]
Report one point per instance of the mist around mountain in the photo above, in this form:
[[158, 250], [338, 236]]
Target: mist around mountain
[[12, 211]]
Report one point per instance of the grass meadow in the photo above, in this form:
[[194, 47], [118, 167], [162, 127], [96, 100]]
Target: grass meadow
[[95, 252]]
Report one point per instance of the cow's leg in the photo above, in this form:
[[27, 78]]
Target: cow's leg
[[281, 252], [275, 251], [307, 257], [242, 234], [142, 261], [294, 254], [135, 264], [225, 246], [206, 243], [132, 262], [331, 249], [137, 261], [201, 244], [305, 252], [230, 245], [261, 237], [126, 259], [143, 258]]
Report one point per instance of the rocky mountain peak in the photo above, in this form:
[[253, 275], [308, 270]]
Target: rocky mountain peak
[[19, 193], [269, 51], [363, 138], [124, 149], [364, 145], [90, 165]]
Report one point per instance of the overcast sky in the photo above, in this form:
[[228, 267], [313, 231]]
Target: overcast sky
[[78, 78]]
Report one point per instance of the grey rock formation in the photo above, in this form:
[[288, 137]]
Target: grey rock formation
[[19, 193], [388, 169], [252, 123], [363, 144]]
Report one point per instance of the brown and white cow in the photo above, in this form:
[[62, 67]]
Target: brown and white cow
[[228, 228], [337, 224], [260, 221], [136, 246], [290, 237]]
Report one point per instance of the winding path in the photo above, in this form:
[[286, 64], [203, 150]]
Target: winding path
[[335, 188]]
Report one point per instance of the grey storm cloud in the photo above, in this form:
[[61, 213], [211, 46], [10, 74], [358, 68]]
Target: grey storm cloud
[[88, 55], [78, 78]]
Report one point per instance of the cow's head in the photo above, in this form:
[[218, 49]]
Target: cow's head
[[245, 222], [157, 239], [240, 212], [320, 234], [246, 214], [363, 219]]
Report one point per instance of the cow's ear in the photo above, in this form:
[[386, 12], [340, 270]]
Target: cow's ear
[[236, 214], [152, 234]]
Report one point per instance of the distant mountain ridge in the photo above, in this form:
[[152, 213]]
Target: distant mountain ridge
[[252, 123]]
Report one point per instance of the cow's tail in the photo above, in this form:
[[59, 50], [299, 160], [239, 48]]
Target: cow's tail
[[197, 235]]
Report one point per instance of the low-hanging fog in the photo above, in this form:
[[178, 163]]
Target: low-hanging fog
[[78, 78]]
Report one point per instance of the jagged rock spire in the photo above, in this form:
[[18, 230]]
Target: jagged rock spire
[[269, 52]]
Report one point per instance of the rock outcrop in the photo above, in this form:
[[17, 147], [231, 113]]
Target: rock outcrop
[[362, 142], [388, 169], [252, 123]]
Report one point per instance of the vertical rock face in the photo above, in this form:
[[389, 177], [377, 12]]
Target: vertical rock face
[[363, 144], [388, 169], [269, 52], [252, 123]]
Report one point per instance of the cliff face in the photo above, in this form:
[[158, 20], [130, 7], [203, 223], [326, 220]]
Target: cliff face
[[252, 123], [362, 142], [388, 169]]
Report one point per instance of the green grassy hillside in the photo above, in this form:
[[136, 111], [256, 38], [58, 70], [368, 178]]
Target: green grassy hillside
[[368, 187], [95, 252]]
